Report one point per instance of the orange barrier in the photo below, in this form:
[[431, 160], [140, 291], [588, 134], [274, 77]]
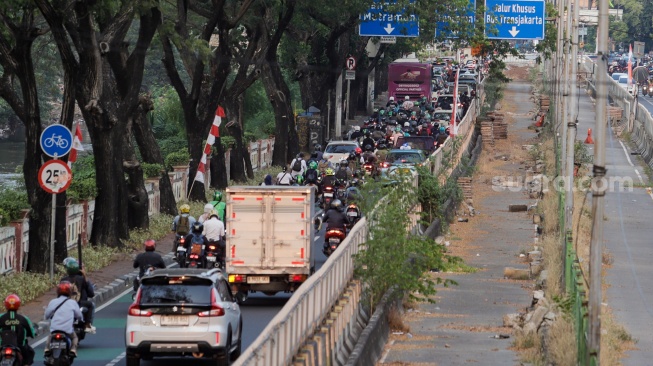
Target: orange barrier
[[589, 139]]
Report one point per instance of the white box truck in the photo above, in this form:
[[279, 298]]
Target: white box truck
[[269, 238]]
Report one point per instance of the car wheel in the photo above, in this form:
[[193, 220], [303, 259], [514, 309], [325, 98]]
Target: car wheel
[[133, 361], [236, 353]]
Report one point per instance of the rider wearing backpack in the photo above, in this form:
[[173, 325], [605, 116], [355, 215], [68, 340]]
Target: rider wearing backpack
[[298, 166], [182, 223]]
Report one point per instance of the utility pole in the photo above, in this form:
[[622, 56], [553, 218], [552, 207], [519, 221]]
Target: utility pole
[[572, 124], [338, 123], [599, 185]]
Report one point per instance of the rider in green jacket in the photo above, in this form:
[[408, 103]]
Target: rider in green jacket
[[220, 206]]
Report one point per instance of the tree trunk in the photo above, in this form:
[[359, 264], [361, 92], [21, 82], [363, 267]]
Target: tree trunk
[[248, 163], [218, 167], [285, 132], [151, 153], [195, 136], [137, 200], [110, 219], [237, 164], [61, 229]]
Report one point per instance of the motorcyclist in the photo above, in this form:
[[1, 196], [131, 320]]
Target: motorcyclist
[[182, 223], [356, 134], [368, 142], [219, 205], [318, 152], [214, 233], [343, 173], [311, 174], [83, 290], [329, 179], [284, 178], [334, 218], [196, 237], [207, 211], [353, 162], [62, 313], [20, 325], [147, 259]]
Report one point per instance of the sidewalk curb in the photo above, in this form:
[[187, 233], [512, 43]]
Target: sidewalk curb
[[109, 291]]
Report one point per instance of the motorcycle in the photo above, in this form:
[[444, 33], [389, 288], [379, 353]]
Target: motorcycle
[[79, 326], [59, 350], [214, 255], [333, 237], [644, 90], [10, 354], [137, 280], [180, 256], [353, 213], [650, 90], [194, 259], [328, 194]]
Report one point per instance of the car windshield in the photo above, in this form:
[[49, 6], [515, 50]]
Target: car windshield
[[407, 157], [441, 116], [421, 143], [340, 149], [171, 291]]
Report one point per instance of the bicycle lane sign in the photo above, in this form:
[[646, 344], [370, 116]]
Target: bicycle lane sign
[[56, 140], [55, 176]]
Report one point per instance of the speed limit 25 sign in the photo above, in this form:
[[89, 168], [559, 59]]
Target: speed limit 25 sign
[[55, 176]]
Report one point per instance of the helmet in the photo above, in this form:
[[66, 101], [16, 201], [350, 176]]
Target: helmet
[[285, 169], [407, 97], [217, 196], [197, 227], [425, 125], [312, 164], [213, 214], [72, 267], [64, 288], [300, 179], [376, 109], [358, 151], [317, 147], [150, 245], [407, 124], [352, 156], [208, 208], [357, 128], [417, 104], [329, 171], [382, 112], [392, 98], [184, 208], [336, 204], [12, 302], [343, 163], [355, 182]]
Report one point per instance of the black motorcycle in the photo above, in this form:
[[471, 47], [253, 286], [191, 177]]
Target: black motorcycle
[[194, 258], [214, 255], [10, 354], [59, 350], [180, 251]]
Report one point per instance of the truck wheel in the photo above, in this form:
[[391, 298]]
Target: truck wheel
[[241, 297]]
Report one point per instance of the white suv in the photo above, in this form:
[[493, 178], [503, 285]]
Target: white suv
[[337, 150], [184, 312]]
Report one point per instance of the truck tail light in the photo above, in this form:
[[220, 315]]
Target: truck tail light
[[297, 278], [237, 278]]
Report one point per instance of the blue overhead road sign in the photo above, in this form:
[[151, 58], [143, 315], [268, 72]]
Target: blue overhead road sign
[[443, 29], [379, 22], [56, 140], [514, 19]]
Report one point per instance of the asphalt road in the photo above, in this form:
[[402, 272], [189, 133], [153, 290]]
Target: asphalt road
[[107, 346], [627, 237]]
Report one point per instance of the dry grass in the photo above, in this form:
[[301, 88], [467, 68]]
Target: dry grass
[[396, 322], [561, 343], [552, 255], [615, 340], [582, 227], [529, 346]]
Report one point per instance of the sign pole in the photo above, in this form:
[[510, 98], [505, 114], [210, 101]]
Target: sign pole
[[347, 100], [52, 238]]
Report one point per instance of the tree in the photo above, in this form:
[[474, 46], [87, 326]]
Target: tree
[[18, 87], [91, 39], [207, 68]]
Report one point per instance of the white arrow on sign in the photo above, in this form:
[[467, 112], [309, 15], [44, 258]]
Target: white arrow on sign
[[513, 32], [388, 28]]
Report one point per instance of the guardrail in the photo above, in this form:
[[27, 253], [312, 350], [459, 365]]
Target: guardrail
[[304, 313]]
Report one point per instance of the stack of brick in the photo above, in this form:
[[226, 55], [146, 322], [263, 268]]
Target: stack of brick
[[487, 130], [465, 184], [500, 127]]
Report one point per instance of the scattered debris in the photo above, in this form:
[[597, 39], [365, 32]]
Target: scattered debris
[[517, 208]]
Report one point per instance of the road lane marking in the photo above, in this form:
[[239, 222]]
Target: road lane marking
[[317, 238], [641, 180], [117, 359]]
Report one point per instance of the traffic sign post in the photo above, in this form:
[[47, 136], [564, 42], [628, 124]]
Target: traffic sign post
[[443, 28], [54, 177], [377, 22], [514, 19], [56, 140]]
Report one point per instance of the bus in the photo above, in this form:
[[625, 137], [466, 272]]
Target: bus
[[409, 77]]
